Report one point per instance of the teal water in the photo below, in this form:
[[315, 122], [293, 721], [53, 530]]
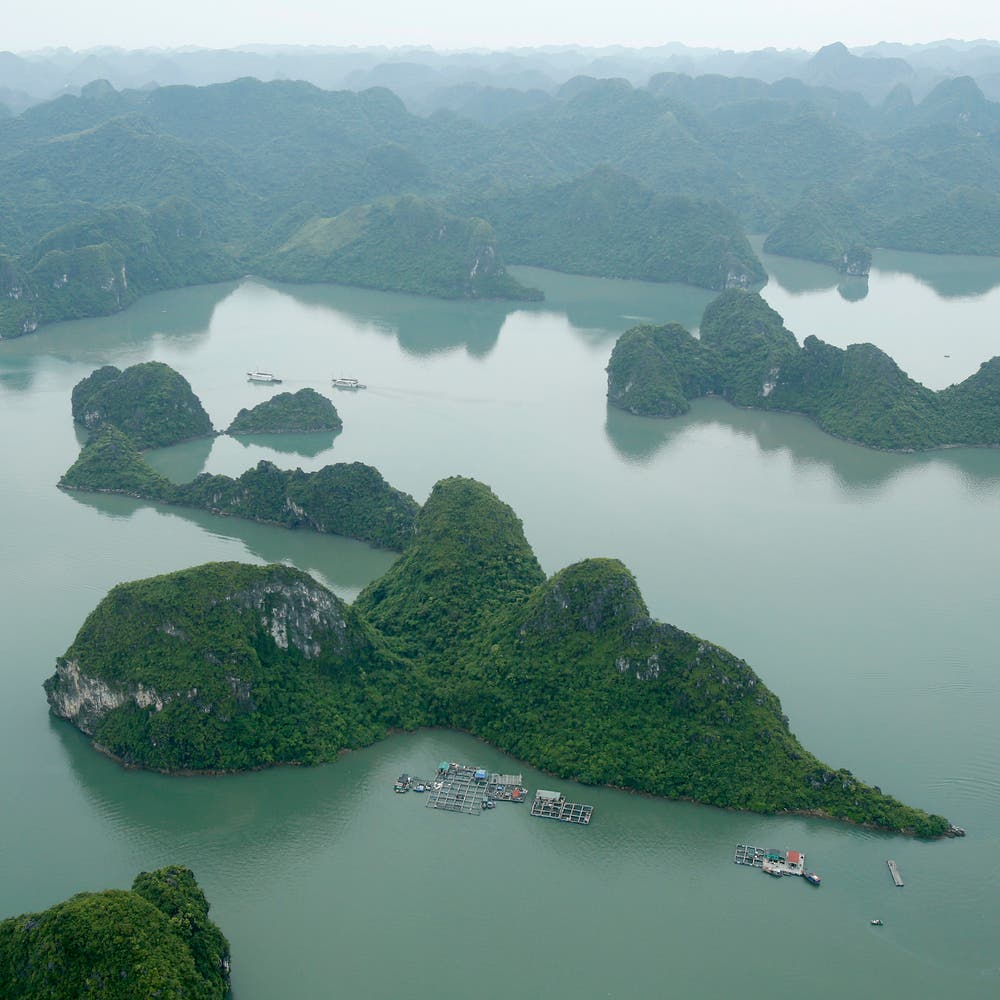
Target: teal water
[[861, 586]]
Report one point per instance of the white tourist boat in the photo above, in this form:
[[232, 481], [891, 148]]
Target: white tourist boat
[[348, 383], [259, 376]]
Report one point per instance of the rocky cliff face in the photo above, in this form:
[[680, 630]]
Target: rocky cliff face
[[205, 669], [19, 312], [85, 700]]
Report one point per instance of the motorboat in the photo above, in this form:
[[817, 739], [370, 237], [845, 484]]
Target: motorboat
[[348, 383]]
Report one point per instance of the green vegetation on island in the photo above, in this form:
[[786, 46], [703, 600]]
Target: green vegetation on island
[[288, 412], [228, 666], [608, 224], [827, 226], [746, 355], [99, 266], [349, 499], [110, 462], [113, 194], [150, 402], [155, 940], [399, 244]]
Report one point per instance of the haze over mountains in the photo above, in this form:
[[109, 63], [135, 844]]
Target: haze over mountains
[[647, 164], [466, 82]]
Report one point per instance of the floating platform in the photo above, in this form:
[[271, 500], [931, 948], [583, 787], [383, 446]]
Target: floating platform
[[774, 862], [459, 788], [506, 788], [553, 805], [894, 872]]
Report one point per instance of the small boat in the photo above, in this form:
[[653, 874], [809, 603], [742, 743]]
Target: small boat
[[399, 787], [877, 923], [420, 788], [770, 869], [348, 383], [812, 878], [259, 376], [489, 804]]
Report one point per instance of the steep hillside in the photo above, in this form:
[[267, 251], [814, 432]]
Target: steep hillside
[[607, 224], [150, 402], [155, 940], [403, 245], [746, 355], [230, 666]]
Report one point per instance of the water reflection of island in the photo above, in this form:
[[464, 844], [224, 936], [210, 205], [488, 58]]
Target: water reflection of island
[[308, 445], [239, 819], [183, 315], [597, 308], [950, 276], [473, 325], [640, 439], [345, 565]]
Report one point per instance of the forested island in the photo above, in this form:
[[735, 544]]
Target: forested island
[[150, 402], [349, 499], [229, 666], [288, 413], [746, 355], [154, 940], [123, 192]]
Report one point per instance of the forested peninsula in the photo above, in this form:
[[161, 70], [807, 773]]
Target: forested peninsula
[[746, 355], [229, 666], [349, 499], [154, 940]]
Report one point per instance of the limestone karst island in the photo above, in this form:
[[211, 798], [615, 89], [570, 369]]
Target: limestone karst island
[[465, 488]]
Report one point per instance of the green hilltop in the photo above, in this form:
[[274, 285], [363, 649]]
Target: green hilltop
[[746, 355], [610, 225], [288, 412], [113, 194], [399, 244], [227, 666], [231, 667], [155, 940], [350, 499], [150, 402]]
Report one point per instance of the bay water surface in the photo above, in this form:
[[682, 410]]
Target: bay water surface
[[861, 586]]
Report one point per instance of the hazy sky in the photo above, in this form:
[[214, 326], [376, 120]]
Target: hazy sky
[[737, 24]]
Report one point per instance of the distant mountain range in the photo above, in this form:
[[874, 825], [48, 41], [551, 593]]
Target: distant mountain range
[[115, 193], [469, 82]]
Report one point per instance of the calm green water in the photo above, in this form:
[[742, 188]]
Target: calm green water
[[862, 587]]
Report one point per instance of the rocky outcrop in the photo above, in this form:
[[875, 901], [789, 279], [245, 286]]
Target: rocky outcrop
[[85, 700], [227, 666], [150, 402], [206, 669], [288, 413]]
